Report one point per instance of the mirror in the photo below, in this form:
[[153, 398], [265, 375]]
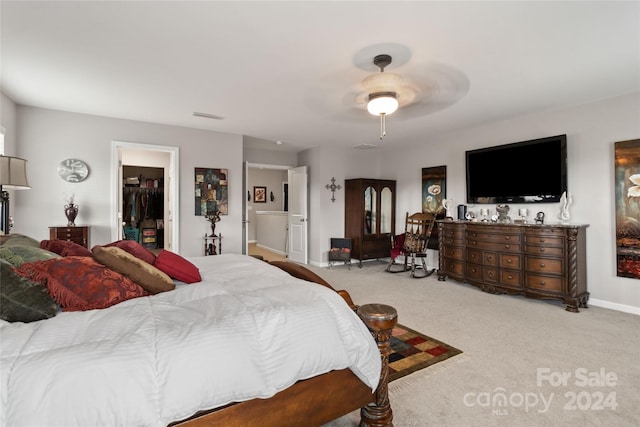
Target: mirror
[[386, 205], [369, 210]]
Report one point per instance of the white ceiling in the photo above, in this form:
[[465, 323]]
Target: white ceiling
[[291, 71]]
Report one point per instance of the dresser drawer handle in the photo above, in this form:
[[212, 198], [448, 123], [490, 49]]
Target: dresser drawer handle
[[542, 283], [541, 249], [509, 261], [490, 258], [507, 246], [507, 237], [473, 256], [490, 274], [542, 240], [509, 277], [542, 265], [473, 270]]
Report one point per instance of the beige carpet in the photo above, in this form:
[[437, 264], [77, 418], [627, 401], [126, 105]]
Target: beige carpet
[[514, 348]]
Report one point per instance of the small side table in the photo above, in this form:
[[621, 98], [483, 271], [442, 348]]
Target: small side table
[[76, 234], [210, 244]]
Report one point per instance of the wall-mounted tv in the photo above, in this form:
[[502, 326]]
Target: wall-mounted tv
[[532, 171]]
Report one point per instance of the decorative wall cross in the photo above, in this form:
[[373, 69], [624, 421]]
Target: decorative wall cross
[[333, 187]]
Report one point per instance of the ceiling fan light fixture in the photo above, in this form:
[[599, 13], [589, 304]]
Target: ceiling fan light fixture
[[382, 103]]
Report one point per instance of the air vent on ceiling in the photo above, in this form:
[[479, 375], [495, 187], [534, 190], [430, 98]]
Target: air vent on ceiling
[[208, 116], [365, 146]]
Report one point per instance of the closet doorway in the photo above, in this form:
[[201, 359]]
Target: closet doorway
[[145, 193]]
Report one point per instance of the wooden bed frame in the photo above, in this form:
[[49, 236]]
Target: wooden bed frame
[[323, 398]]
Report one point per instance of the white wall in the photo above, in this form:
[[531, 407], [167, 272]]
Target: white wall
[[47, 137]]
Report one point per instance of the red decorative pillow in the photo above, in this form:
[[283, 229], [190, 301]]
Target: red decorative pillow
[[135, 249], [81, 283], [177, 267], [64, 248]]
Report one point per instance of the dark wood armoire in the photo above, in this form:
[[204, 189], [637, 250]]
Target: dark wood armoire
[[370, 217]]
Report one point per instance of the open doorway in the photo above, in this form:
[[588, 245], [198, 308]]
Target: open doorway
[[139, 171], [265, 218]]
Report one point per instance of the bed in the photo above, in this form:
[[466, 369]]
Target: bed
[[252, 343]]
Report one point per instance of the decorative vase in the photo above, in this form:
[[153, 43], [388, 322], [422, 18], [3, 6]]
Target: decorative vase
[[71, 211], [213, 229]]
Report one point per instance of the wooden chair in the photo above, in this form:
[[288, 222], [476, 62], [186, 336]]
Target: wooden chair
[[412, 244]]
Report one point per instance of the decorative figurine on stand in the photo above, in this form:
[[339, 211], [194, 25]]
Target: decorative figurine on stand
[[565, 202], [448, 205], [540, 218], [213, 217], [503, 210]]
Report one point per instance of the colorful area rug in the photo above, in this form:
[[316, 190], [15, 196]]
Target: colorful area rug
[[412, 351]]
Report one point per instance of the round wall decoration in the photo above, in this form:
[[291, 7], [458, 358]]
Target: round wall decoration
[[73, 170]]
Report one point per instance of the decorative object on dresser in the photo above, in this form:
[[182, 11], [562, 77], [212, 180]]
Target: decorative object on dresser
[[538, 261], [70, 209], [76, 234], [370, 216], [565, 202], [13, 175]]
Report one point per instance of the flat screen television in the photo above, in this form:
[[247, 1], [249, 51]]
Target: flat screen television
[[532, 171]]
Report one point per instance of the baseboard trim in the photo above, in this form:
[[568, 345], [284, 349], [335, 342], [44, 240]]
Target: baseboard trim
[[615, 306], [271, 249]]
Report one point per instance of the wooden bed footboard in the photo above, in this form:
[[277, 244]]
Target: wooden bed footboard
[[323, 398]]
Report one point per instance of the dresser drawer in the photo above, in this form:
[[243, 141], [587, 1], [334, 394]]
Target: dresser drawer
[[68, 232], [494, 237], [544, 240], [511, 261], [490, 274], [454, 268], [455, 252], [490, 258], [545, 282], [474, 271], [510, 278], [452, 232], [544, 265], [544, 250], [474, 255], [502, 247]]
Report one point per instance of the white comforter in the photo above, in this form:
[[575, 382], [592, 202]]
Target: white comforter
[[248, 330]]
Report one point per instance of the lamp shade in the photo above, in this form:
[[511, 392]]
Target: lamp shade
[[13, 173], [382, 103]]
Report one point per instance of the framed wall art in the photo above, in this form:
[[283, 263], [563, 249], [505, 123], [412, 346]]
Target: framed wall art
[[211, 191], [627, 200], [434, 189], [259, 194]]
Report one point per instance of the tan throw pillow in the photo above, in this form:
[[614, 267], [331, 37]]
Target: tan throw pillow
[[144, 274]]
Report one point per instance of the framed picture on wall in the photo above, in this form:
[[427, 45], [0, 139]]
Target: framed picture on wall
[[259, 194], [627, 203], [434, 189], [211, 191]]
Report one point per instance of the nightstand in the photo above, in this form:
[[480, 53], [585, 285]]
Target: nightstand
[[77, 234]]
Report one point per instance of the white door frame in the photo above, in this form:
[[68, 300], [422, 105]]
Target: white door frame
[[172, 185]]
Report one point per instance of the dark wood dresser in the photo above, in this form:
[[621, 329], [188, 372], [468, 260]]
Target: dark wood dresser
[[538, 261], [77, 234]]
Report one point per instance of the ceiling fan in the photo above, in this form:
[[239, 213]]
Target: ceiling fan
[[384, 92]]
